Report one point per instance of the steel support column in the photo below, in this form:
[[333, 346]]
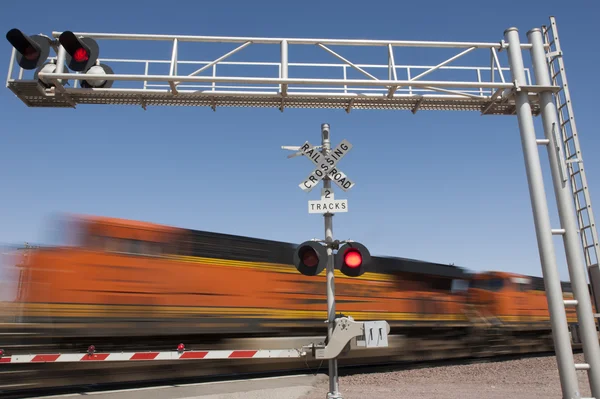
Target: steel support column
[[566, 211], [541, 218]]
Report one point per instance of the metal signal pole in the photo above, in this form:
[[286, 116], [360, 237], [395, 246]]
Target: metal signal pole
[[334, 392]]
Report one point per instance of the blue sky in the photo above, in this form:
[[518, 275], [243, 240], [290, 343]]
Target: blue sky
[[448, 187]]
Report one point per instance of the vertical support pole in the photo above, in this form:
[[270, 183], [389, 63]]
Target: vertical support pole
[[333, 371], [566, 210], [541, 218], [173, 69], [61, 55], [60, 59], [11, 65], [284, 66]]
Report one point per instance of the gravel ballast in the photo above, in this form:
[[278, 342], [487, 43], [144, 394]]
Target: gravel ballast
[[529, 378]]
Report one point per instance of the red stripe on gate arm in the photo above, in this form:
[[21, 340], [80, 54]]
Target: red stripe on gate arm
[[193, 355], [94, 357], [5, 359], [144, 356], [44, 358], [238, 354]]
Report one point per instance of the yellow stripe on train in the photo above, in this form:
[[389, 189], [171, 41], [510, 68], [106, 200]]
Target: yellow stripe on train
[[273, 267], [133, 311]]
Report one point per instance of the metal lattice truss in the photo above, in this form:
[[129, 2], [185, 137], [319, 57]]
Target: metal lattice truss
[[482, 85]]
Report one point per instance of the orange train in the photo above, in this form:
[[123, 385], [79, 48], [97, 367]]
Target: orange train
[[122, 278]]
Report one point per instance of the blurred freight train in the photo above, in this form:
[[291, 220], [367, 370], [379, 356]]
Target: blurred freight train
[[129, 281]]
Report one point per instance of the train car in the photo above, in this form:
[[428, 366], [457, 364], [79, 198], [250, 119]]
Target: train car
[[122, 278], [514, 301]]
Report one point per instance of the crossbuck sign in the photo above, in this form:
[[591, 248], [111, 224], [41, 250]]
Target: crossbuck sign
[[326, 165]]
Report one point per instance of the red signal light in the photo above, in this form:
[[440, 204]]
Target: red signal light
[[31, 54], [180, 347], [82, 52], [91, 349], [32, 51], [1, 352], [353, 258], [81, 55], [310, 258]]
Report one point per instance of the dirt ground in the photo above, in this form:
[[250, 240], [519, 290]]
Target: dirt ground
[[531, 378]]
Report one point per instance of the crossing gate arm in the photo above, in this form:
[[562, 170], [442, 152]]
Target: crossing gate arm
[[369, 334]]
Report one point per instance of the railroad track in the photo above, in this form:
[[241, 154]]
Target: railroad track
[[344, 370], [27, 380]]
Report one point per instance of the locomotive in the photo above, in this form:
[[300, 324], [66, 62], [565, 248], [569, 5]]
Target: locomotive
[[118, 278]]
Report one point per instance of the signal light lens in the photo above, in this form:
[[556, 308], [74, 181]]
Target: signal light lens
[[353, 258], [91, 349], [82, 52], [309, 257], [180, 347], [81, 55], [1, 352], [31, 54]]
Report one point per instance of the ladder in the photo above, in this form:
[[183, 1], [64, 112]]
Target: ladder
[[574, 161]]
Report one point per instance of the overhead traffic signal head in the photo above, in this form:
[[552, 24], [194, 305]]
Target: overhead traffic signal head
[[82, 52], [310, 258], [32, 51], [352, 259]]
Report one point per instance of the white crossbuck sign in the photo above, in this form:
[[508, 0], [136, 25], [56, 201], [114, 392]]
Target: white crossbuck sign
[[326, 165]]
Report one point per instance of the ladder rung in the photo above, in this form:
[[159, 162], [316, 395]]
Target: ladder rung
[[562, 106], [555, 75], [582, 366], [565, 122], [570, 302]]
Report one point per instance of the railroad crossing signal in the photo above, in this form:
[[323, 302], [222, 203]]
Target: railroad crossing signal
[[32, 51], [80, 54], [352, 258]]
